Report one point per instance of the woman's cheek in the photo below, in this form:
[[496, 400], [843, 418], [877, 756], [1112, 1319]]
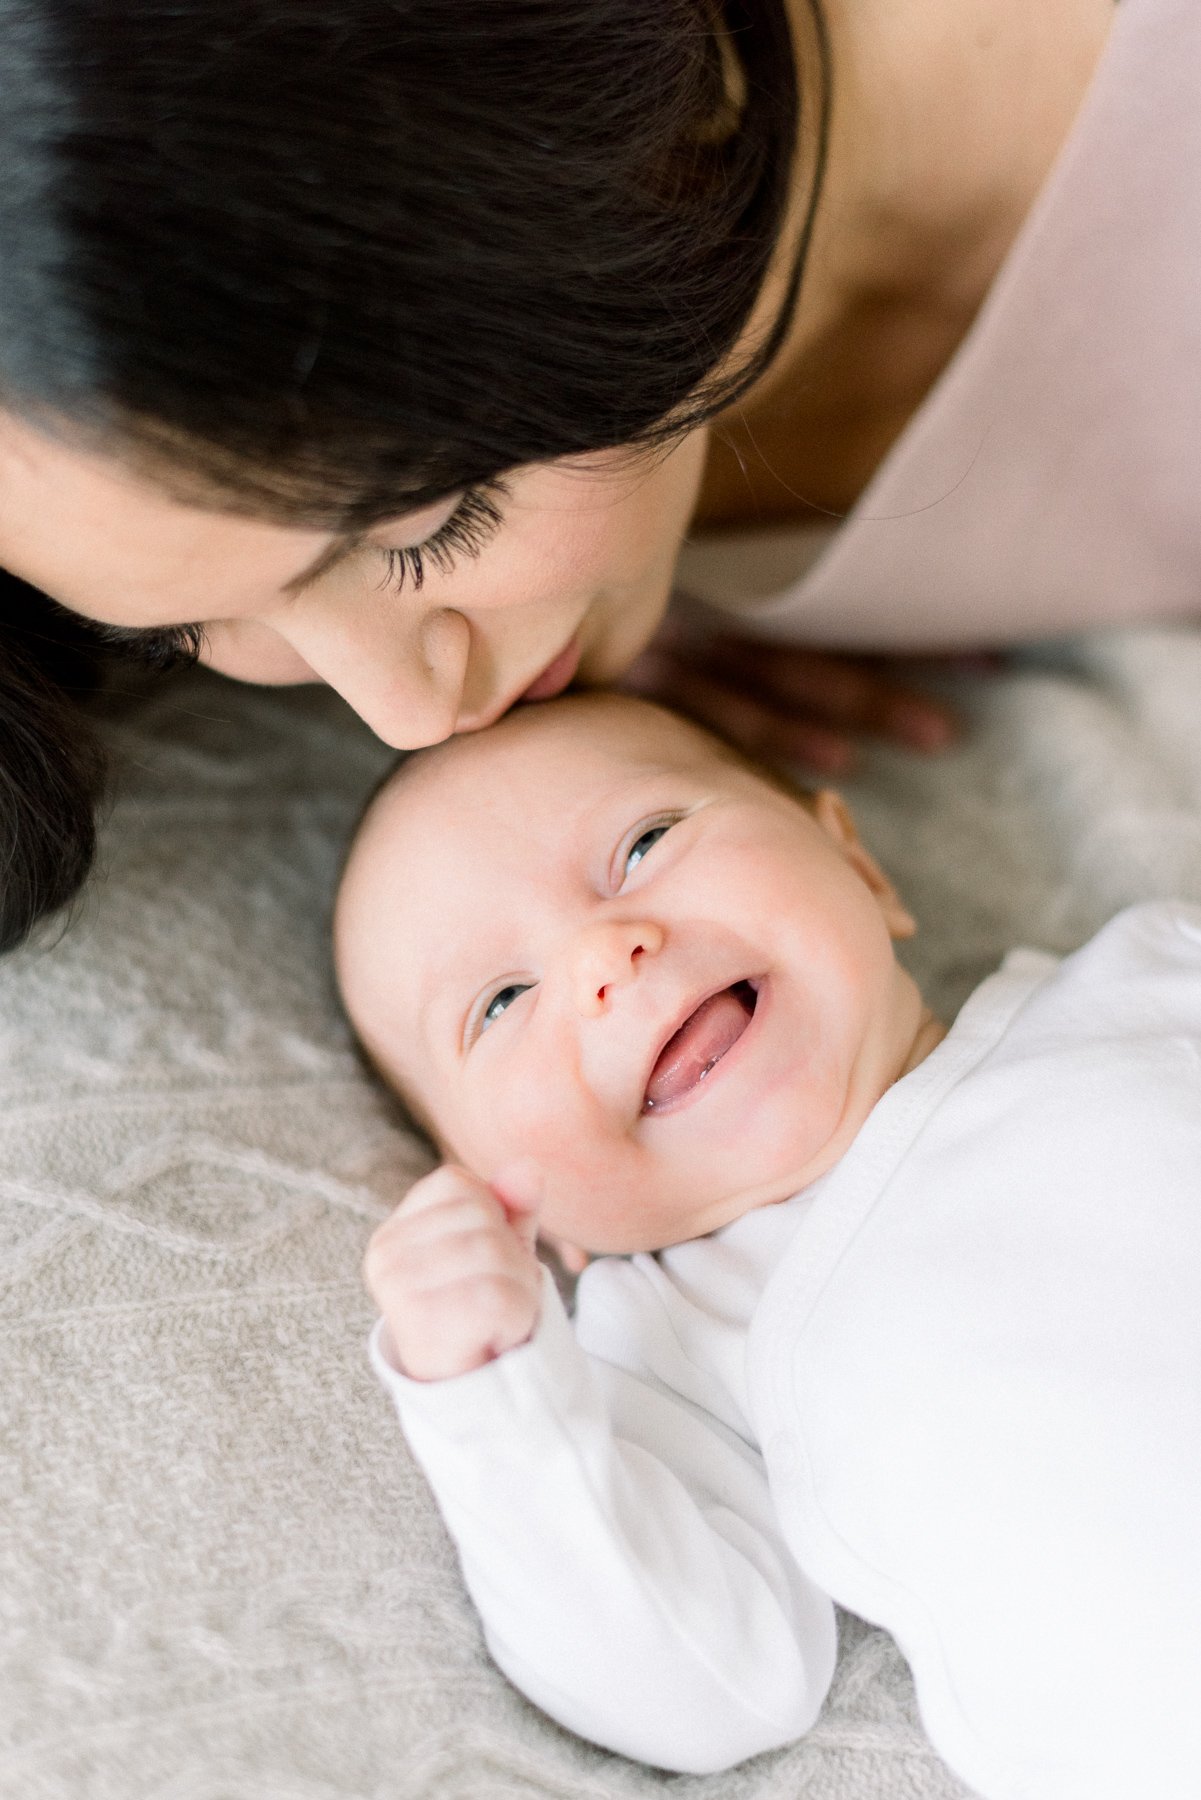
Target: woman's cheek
[[249, 652]]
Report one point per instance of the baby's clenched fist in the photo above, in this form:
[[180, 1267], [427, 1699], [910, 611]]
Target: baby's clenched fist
[[454, 1271]]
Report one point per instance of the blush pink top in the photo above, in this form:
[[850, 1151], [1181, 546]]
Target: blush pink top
[[1051, 479]]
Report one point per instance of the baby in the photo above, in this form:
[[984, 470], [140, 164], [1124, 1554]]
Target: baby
[[883, 1316]]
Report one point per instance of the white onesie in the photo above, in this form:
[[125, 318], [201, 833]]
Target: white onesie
[[954, 1386]]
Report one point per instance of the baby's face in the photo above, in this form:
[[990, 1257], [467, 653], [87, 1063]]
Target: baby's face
[[586, 937]]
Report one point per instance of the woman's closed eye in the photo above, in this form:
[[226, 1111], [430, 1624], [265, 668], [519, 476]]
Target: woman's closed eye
[[470, 527], [158, 647]]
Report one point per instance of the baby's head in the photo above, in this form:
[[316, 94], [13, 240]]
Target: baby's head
[[594, 936]]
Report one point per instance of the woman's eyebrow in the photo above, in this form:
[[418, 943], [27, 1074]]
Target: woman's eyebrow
[[333, 553]]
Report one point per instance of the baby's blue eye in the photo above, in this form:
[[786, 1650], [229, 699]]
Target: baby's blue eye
[[643, 845], [500, 1001]]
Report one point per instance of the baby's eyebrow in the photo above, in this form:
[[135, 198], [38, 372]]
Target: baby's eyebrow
[[447, 990]]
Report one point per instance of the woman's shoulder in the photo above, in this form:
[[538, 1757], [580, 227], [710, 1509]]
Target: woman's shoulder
[[1045, 482], [948, 117]]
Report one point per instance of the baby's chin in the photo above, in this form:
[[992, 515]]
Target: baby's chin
[[664, 1234]]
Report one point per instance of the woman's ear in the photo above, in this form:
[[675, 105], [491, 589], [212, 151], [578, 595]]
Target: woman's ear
[[834, 817]]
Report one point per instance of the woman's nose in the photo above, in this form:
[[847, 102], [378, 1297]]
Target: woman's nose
[[607, 957], [405, 678]]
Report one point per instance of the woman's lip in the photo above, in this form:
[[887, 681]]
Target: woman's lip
[[557, 675]]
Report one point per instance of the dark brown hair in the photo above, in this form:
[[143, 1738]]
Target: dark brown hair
[[326, 260]]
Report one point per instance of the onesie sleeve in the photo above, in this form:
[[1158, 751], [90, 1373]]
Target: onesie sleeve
[[622, 1550]]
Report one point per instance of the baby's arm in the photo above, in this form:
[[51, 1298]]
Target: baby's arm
[[619, 1543]]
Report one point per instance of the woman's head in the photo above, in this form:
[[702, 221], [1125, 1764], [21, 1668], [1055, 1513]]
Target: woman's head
[[554, 564], [282, 277]]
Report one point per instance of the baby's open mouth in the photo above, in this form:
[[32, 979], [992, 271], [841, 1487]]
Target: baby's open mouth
[[707, 1034]]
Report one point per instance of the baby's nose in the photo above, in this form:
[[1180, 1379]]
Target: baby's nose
[[607, 957]]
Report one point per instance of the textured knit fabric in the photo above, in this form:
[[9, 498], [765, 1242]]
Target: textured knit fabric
[[223, 1577], [1049, 481], [954, 1385]]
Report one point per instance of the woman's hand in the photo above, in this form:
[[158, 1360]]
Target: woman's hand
[[786, 704], [454, 1272]]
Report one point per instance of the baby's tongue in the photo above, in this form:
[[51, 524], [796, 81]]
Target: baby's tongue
[[702, 1039]]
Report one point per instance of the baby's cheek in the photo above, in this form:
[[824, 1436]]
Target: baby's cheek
[[569, 1152], [516, 1117], [583, 1163]]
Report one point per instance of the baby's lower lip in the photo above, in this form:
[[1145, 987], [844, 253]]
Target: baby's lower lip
[[556, 676]]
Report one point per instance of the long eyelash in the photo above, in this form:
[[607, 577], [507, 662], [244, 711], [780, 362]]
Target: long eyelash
[[472, 525], [159, 647]]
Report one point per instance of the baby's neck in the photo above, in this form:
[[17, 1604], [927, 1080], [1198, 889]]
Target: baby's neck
[[929, 1036]]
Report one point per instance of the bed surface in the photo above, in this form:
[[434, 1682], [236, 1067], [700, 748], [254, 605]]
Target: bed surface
[[222, 1579]]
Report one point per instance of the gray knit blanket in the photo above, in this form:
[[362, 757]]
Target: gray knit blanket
[[221, 1576]]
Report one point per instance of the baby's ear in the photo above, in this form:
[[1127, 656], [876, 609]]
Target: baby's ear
[[573, 1259], [834, 816]]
